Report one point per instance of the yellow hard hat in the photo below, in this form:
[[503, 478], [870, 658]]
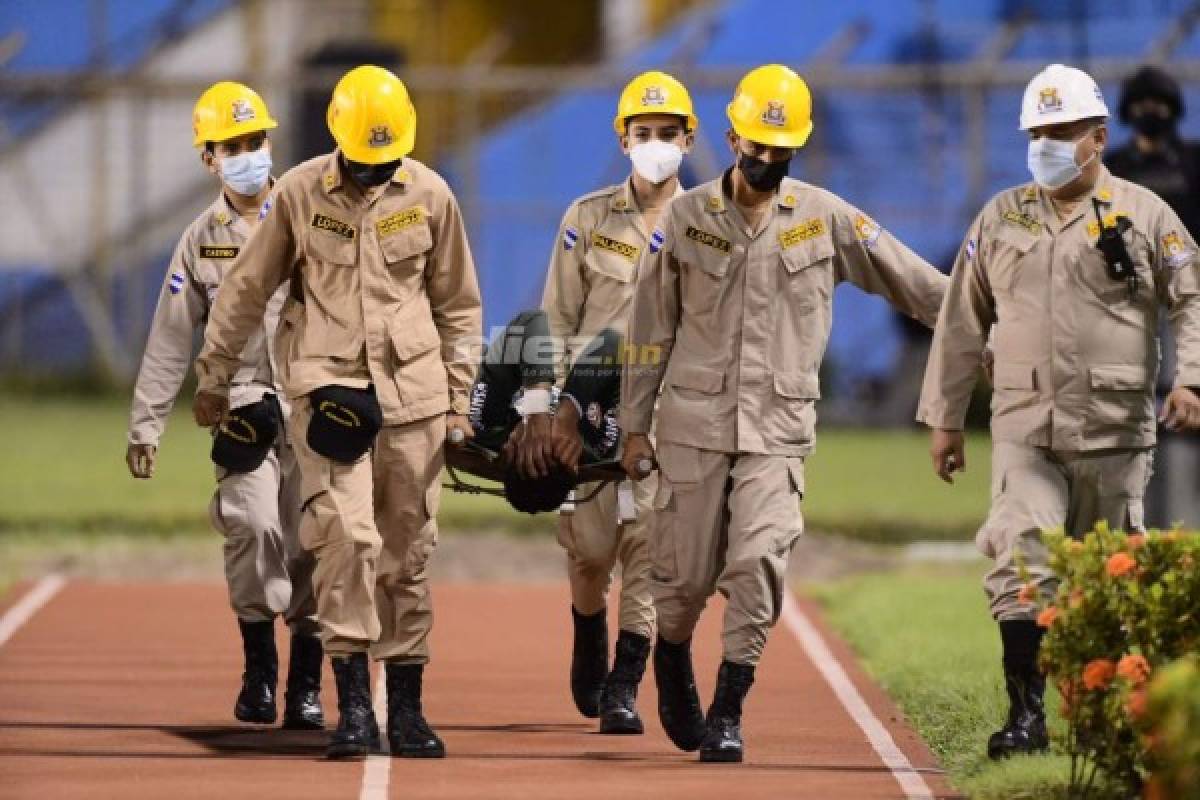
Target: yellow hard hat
[[654, 93], [371, 116], [772, 106], [227, 110]]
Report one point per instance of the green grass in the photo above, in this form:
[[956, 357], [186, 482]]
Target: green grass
[[926, 636], [64, 470]]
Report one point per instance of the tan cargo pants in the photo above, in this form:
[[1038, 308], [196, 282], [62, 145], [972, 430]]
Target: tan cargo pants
[[596, 540], [266, 569], [724, 522], [1034, 489], [372, 527]]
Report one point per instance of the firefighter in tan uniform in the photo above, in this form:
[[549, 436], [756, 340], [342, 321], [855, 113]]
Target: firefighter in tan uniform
[[257, 502], [589, 289], [1073, 331], [377, 350], [731, 318]]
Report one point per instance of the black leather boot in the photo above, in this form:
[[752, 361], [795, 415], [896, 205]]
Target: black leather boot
[[256, 700], [617, 711], [357, 731], [302, 701], [589, 661], [409, 735], [678, 702], [1025, 730], [723, 728]]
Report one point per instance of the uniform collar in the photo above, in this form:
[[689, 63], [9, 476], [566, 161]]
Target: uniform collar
[[332, 177], [714, 194], [624, 198], [1104, 192], [223, 212], [787, 195]]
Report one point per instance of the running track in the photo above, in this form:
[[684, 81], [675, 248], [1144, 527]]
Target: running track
[[125, 690]]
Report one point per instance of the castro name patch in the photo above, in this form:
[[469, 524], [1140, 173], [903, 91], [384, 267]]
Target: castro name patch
[[335, 226], [217, 251]]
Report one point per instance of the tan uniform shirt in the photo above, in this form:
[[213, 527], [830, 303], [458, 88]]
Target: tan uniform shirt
[[735, 325], [201, 260], [590, 282], [383, 291], [1076, 355]]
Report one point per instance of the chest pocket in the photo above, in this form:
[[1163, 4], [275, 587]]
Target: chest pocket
[[402, 248], [1094, 270], [612, 258], [807, 276], [213, 260], [704, 274], [1010, 246], [331, 249]]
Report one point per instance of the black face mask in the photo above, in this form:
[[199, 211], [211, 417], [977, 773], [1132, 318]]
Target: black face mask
[[371, 175], [1153, 126], [763, 176]]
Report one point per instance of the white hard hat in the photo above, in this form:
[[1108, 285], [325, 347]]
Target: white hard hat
[[1061, 94]]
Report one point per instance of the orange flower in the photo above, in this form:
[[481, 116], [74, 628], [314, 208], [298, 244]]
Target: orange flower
[[1075, 598], [1047, 617], [1120, 564], [1098, 674], [1134, 668], [1028, 593], [1135, 540], [1135, 704]]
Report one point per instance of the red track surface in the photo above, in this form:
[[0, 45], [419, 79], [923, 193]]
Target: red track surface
[[119, 690]]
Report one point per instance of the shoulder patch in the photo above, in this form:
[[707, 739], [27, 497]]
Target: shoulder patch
[[809, 229], [394, 223], [615, 246], [867, 230], [969, 248], [1021, 219], [218, 251], [710, 239], [266, 207], [1176, 255], [570, 237], [335, 226], [657, 239], [176, 283]]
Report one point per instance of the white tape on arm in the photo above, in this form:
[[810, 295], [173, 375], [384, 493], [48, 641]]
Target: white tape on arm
[[534, 401]]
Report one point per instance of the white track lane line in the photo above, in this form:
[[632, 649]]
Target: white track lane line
[[42, 593], [818, 651], [378, 766]]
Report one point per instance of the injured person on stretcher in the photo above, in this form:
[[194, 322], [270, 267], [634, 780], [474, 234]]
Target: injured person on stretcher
[[537, 439]]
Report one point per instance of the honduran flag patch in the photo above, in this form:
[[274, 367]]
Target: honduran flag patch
[[657, 237], [570, 237], [176, 282]]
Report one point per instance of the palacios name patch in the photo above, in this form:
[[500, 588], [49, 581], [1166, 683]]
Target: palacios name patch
[[1025, 221], [218, 251], [710, 239], [335, 226], [809, 229], [394, 223], [614, 246]]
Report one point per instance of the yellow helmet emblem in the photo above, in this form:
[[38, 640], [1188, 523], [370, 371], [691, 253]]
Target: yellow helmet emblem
[[228, 110], [654, 93]]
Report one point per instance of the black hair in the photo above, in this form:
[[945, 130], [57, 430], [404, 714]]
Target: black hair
[[1151, 82], [534, 495]]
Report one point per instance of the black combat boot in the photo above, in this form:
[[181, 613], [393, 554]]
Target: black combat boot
[[723, 728], [589, 661], [256, 701], [617, 711], [409, 735], [1025, 731], [302, 701], [678, 702], [357, 731]]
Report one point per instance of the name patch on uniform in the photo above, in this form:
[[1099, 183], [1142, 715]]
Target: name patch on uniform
[[809, 229], [394, 223], [336, 226], [710, 239], [612, 245], [1024, 220], [217, 251]]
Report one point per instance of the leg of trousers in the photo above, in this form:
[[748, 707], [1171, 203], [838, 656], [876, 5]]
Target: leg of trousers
[[724, 522], [595, 541], [1036, 489]]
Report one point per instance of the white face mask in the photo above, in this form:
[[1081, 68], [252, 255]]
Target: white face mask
[[656, 161], [247, 173], [1052, 162]]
